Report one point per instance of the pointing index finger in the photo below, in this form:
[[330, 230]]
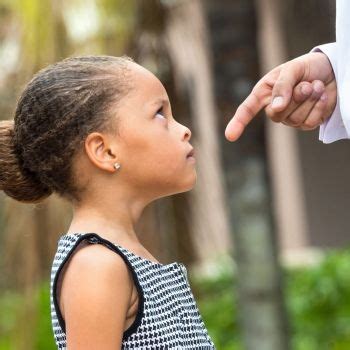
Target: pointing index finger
[[245, 113]]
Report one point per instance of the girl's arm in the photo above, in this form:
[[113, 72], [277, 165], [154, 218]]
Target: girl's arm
[[95, 296]]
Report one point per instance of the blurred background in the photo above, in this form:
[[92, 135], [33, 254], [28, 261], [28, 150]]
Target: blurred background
[[264, 234]]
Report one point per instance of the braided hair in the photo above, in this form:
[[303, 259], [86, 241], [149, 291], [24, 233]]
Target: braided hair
[[58, 108]]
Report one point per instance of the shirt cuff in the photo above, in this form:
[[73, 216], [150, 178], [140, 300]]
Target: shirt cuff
[[333, 129]]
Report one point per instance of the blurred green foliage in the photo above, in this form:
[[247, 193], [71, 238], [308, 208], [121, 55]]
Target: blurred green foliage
[[10, 304], [317, 297], [11, 319], [216, 301], [319, 303]]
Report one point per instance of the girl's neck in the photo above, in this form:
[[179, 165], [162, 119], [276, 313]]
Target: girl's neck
[[114, 222]]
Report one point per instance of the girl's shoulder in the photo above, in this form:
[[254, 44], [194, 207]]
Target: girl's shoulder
[[97, 261], [88, 281], [96, 282]]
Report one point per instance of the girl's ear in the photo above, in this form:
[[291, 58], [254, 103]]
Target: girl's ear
[[101, 152]]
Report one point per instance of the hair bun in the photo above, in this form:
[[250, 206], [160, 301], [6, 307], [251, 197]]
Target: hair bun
[[17, 183]]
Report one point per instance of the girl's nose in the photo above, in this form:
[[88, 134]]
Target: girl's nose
[[188, 134]]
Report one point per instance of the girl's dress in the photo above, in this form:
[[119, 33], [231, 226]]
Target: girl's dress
[[167, 318]]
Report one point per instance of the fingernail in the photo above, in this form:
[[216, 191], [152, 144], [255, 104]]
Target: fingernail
[[318, 87], [323, 97], [277, 102], [306, 89]]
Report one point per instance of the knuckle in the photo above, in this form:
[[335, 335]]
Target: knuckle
[[276, 118], [310, 123], [294, 120], [246, 109], [279, 87]]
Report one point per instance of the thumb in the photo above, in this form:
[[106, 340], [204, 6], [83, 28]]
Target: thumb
[[290, 75]]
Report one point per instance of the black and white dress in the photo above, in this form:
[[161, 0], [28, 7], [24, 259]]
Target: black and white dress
[[167, 317]]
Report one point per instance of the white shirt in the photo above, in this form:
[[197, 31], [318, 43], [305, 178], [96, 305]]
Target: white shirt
[[337, 127]]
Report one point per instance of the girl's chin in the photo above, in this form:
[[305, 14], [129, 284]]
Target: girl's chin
[[192, 182], [188, 181], [184, 188]]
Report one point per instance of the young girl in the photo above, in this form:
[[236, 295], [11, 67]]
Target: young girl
[[99, 131]]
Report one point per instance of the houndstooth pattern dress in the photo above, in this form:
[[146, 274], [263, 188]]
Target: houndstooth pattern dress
[[167, 318]]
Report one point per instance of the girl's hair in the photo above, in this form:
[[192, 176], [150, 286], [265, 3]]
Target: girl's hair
[[58, 108]]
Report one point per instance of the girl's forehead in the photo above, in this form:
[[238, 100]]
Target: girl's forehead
[[145, 84], [145, 91]]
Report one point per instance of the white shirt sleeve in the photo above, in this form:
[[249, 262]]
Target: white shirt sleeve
[[337, 127], [333, 129]]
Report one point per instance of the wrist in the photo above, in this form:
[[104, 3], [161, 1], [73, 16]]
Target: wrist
[[318, 67]]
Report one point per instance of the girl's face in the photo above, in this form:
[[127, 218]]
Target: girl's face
[[153, 147]]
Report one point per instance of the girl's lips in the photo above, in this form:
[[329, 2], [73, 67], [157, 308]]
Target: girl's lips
[[191, 158]]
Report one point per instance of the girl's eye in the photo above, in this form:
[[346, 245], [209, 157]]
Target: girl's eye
[[160, 113]]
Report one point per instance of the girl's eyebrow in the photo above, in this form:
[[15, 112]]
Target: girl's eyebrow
[[161, 101]]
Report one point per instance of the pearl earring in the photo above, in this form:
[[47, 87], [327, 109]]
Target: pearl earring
[[116, 166]]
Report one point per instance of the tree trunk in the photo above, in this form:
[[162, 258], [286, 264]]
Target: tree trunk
[[195, 225], [187, 42], [236, 64]]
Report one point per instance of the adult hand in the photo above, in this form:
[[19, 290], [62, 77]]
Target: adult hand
[[300, 93]]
